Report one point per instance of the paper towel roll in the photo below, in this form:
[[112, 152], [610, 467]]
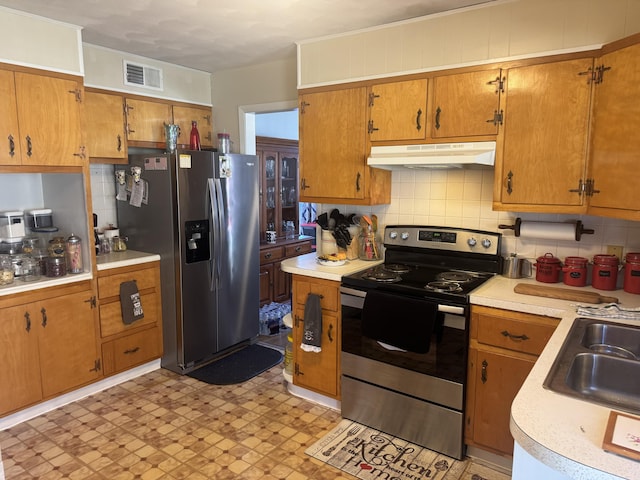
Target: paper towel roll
[[548, 230]]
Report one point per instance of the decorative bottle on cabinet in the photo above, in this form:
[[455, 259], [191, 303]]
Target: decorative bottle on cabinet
[[194, 138]]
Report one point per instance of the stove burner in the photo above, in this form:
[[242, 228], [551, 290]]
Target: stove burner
[[382, 275], [396, 267], [443, 287], [456, 276]]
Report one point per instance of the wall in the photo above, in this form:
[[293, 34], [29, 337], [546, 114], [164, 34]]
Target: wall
[[38, 42], [268, 83], [504, 29], [105, 69]]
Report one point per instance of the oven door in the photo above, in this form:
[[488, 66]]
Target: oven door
[[393, 356]]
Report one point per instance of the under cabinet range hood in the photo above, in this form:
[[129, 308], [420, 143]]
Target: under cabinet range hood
[[439, 155]]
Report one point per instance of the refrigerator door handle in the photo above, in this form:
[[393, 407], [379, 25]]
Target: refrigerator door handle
[[221, 239], [213, 232]]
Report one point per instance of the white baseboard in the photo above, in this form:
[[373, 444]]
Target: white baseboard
[[44, 407], [314, 397]]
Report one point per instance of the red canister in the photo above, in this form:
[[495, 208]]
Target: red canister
[[605, 272], [575, 271], [632, 273], [548, 268]]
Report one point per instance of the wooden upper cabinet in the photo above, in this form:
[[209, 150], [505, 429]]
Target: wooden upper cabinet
[[398, 110], [106, 138], [466, 104], [542, 147], [332, 143], [48, 112], [10, 153], [146, 120], [333, 150], [615, 143], [183, 116]]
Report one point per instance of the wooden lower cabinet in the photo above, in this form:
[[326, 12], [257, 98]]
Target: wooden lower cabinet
[[503, 348], [275, 284], [319, 372], [126, 345], [47, 347]]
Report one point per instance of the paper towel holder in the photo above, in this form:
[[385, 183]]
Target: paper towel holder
[[579, 228]]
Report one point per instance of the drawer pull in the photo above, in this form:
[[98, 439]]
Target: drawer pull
[[267, 256], [483, 374], [330, 332], [514, 337], [131, 350]]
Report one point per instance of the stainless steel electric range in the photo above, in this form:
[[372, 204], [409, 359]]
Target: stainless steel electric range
[[405, 333]]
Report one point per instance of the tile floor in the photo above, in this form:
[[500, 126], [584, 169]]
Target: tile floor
[[166, 426]]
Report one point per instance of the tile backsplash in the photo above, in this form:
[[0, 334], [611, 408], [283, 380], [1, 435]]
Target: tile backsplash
[[453, 197], [463, 198]]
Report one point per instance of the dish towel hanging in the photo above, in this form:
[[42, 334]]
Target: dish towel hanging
[[312, 334], [130, 302]]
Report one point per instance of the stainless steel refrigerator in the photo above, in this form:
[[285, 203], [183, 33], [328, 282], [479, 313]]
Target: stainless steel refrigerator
[[199, 211]]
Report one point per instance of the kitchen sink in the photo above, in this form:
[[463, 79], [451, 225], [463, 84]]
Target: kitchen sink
[[599, 361]]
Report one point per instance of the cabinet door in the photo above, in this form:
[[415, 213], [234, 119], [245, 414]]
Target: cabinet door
[[145, 120], [183, 116], [332, 144], [67, 341], [615, 142], [271, 213], [317, 371], [49, 116], [497, 379], [464, 104], [281, 284], [10, 153], [106, 138], [398, 111], [266, 282], [20, 372], [545, 134]]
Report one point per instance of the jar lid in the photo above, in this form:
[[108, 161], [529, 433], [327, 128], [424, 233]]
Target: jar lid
[[605, 259], [223, 135], [633, 257], [576, 261], [40, 211], [548, 258], [12, 213]]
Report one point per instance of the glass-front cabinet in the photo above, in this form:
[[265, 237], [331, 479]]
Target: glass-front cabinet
[[279, 186]]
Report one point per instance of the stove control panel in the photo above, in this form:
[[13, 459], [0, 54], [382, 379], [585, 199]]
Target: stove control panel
[[444, 238]]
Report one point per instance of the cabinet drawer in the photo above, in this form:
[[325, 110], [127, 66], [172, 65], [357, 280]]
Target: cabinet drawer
[[126, 352], [298, 249], [329, 292], [110, 286], [527, 335], [269, 255], [111, 315]]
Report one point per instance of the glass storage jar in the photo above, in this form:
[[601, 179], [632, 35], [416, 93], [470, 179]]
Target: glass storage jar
[[30, 269], [6, 270], [56, 267]]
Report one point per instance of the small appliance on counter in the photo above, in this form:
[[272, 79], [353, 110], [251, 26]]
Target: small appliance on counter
[[11, 226]]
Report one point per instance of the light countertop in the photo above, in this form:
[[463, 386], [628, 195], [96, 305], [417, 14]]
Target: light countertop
[[124, 259], [308, 265], [562, 432]]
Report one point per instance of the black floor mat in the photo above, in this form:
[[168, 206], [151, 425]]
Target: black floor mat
[[239, 366]]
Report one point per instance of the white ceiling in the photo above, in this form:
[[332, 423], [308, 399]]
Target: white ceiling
[[212, 35]]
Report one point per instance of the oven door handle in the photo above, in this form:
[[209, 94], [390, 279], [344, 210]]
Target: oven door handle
[[451, 309]]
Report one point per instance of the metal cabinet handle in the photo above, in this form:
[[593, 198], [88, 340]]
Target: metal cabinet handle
[[131, 350], [483, 374], [43, 312], [509, 182], [418, 125], [119, 143], [438, 112], [514, 337], [96, 366], [358, 182], [27, 321], [298, 248], [29, 146], [330, 332], [12, 146], [267, 256]]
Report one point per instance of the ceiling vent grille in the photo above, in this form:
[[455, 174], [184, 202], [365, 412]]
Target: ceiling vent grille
[[142, 76]]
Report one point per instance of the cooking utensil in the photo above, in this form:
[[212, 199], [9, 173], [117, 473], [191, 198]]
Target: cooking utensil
[[563, 293]]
